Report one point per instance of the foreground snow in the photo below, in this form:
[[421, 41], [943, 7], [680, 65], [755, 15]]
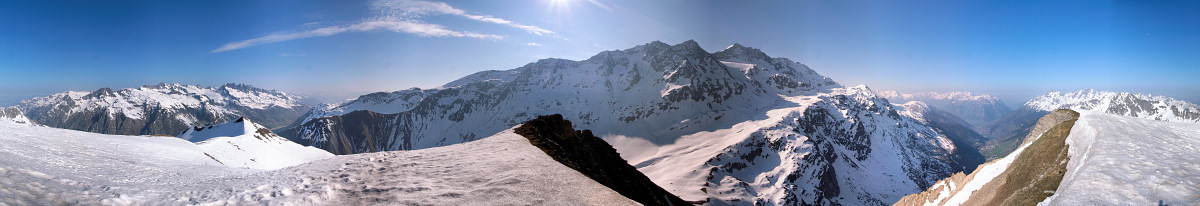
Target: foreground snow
[[41, 165], [1118, 160]]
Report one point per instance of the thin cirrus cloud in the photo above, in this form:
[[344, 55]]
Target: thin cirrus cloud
[[396, 16]]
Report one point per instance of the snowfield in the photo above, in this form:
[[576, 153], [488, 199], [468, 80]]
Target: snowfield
[[1122, 160], [245, 144], [49, 166]]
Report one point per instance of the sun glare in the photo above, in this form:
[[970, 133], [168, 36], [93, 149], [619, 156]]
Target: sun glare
[[558, 6]]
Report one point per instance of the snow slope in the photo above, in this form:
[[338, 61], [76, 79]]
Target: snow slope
[[1123, 160], [45, 166], [242, 143], [161, 109], [734, 126]]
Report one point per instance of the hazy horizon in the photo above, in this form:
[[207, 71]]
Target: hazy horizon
[[342, 49]]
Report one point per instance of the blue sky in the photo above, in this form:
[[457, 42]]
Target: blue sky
[[337, 49]]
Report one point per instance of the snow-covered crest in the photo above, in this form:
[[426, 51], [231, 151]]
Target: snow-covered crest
[[242, 143]]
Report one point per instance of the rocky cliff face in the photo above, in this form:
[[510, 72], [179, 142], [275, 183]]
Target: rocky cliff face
[[735, 126], [163, 109], [966, 141]]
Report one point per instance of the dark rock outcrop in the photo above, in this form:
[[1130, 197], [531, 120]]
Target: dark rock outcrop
[[595, 158]]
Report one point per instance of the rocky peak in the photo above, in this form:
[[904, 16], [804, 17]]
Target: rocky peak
[[738, 51], [245, 88], [15, 115], [102, 92]]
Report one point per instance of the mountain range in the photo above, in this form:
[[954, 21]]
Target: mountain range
[[978, 110], [731, 126], [162, 109]]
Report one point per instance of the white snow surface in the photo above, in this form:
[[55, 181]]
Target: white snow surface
[[49, 166], [1122, 160], [245, 144], [1122, 103]]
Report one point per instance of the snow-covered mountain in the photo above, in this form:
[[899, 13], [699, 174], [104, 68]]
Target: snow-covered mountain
[[163, 109], [727, 127], [1146, 106], [14, 115], [977, 109], [51, 166], [242, 143]]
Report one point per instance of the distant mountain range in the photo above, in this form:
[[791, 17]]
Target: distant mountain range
[[1144, 106], [734, 126], [978, 110], [162, 109]]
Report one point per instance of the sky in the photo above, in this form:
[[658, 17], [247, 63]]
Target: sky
[[332, 50]]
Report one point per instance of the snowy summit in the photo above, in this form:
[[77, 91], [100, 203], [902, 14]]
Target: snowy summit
[[242, 143]]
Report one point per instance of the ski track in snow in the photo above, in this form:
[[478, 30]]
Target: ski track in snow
[[42, 165]]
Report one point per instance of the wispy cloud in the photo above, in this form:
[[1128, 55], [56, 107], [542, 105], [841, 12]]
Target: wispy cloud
[[397, 16], [418, 8], [598, 4], [534, 44]]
